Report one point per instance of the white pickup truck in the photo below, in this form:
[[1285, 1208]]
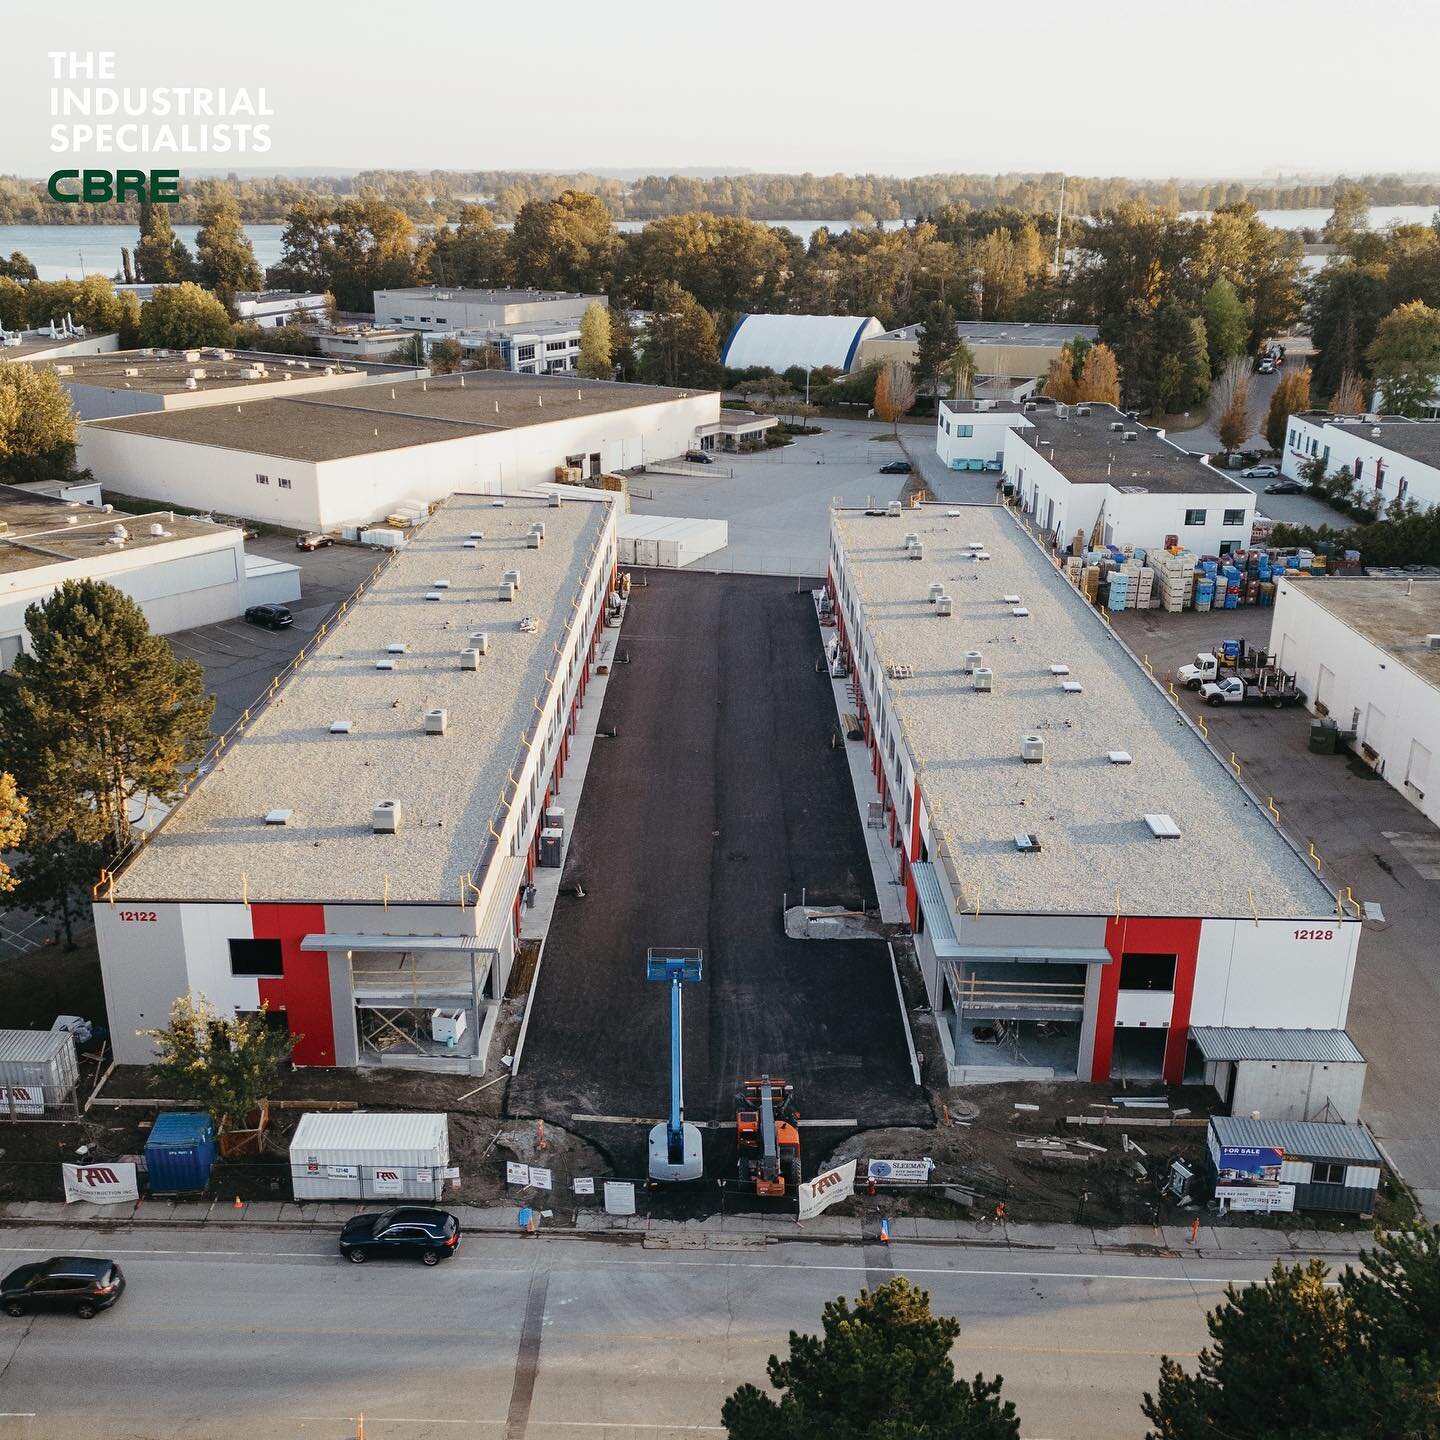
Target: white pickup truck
[[1272, 690], [1204, 667]]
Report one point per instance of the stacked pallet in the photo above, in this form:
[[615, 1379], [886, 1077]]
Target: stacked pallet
[[1175, 578]]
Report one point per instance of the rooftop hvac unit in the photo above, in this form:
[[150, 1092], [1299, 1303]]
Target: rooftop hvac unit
[[441, 584], [513, 576], [341, 727], [1028, 844], [278, 817], [1118, 757], [436, 721], [917, 551], [385, 817], [1128, 435], [911, 539], [976, 545], [1117, 425], [937, 589], [434, 594], [1032, 749], [63, 369], [984, 678], [1162, 827], [1071, 687], [1059, 669], [1432, 642], [198, 373], [972, 662], [506, 590], [397, 647], [534, 539], [481, 640], [1031, 405], [1011, 599], [1082, 409], [892, 509], [477, 535], [944, 605], [131, 371], [472, 545], [556, 499], [470, 659], [191, 356], [1020, 612]]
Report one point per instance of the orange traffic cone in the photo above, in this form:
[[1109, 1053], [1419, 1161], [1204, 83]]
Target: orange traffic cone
[[239, 1204]]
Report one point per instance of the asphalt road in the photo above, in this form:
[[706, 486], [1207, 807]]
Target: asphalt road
[[554, 1339]]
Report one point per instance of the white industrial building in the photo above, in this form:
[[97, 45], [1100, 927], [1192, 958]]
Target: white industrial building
[[1016, 348], [1389, 456], [457, 308], [181, 572], [813, 342], [1095, 472], [545, 347], [270, 309], [360, 857], [53, 342], [1366, 652], [349, 457], [1087, 880]]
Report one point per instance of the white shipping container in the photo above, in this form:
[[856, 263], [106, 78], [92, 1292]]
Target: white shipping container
[[38, 1061], [364, 1156], [670, 542]]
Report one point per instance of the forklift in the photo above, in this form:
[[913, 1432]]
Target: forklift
[[766, 1136]]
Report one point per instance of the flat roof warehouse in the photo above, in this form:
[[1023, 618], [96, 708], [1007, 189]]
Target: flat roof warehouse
[[168, 372], [448, 787], [1097, 853], [333, 425]]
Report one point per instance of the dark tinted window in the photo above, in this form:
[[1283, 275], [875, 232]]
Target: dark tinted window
[[1147, 972], [255, 957]]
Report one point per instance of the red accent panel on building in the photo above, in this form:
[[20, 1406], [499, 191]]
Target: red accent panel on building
[[912, 897], [304, 993], [1161, 935]]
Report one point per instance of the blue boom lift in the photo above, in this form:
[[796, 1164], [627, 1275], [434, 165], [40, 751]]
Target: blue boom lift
[[674, 1145]]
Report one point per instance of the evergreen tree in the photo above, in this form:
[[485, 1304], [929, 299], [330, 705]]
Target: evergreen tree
[[1404, 358], [101, 717], [160, 257], [681, 343], [936, 346], [1227, 327], [225, 257], [881, 1371], [1290, 397], [595, 359]]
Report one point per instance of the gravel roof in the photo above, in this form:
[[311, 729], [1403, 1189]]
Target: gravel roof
[[448, 786], [1088, 813]]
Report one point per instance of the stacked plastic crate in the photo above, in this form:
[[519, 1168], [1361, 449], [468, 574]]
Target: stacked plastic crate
[[1175, 576]]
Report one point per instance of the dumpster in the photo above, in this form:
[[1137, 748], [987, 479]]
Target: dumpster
[[1324, 733], [180, 1151]]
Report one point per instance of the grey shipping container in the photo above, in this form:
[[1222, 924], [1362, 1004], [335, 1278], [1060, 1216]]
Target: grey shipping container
[[38, 1068], [364, 1156]]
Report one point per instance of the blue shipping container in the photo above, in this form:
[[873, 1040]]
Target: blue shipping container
[[180, 1151]]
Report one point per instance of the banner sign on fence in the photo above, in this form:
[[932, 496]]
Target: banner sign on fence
[[541, 1179], [901, 1172], [1256, 1197], [22, 1100], [516, 1173], [827, 1190], [584, 1184], [110, 1183], [619, 1197], [388, 1182]]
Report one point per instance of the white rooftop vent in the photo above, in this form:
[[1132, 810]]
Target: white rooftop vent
[[1019, 612], [980, 555], [477, 535], [1082, 409], [1432, 642], [911, 538], [498, 504], [191, 384], [937, 589], [944, 605], [278, 817], [384, 664], [506, 590], [917, 551], [472, 545], [1032, 749], [555, 499], [1117, 424], [480, 639], [1059, 669], [1028, 844], [441, 584], [341, 727], [434, 594], [1376, 432], [436, 721], [1118, 757], [385, 817], [513, 576], [1011, 599], [892, 509], [398, 647], [470, 659], [1162, 827], [976, 545], [1128, 435], [984, 678], [1072, 687], [157, 530], [972, 662]]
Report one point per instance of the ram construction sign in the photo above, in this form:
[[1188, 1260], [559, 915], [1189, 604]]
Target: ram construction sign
[[108, 1182]]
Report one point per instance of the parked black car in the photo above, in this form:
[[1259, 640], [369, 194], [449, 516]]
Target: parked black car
[[271, 617], [1287, 487], [83, 1284], [697, 457], [314, 542], [433, 1235], [896, 467]]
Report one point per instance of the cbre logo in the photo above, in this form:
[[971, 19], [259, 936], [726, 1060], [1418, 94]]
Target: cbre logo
[[95, 1175]]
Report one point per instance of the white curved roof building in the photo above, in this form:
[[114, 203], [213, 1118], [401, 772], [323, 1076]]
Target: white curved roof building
[[780, 341]]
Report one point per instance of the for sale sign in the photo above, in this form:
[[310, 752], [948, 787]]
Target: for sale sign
[[108, 1182]]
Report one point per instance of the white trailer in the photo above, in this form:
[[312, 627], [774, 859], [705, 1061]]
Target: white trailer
[[668, 542], [364, 1156]]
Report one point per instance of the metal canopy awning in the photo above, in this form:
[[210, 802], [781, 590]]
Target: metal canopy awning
[[395, 943], [1032, 954]]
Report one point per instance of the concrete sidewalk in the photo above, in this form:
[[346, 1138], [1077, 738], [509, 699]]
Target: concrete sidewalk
[[719, 1232]]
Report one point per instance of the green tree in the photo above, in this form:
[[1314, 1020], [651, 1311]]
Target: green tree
[[160, 257], [446, 357], [936, 346], [1347, 303], [1404, 358], [13, 808], [17, 267], [220, 1064], [476, 252], [56, 872], [681, 343], [880, 1371], [307, 259], [567, 243], [595, 362], [37, 421], [100, 712], [291, 338], [1290, 397], [371, 247], [225, 258], [1299, 1357], [1227, 327], [959, 370], [181, 316], [1350, 217]]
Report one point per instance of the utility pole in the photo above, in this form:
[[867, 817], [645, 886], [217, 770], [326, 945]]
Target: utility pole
[[1059, 223]]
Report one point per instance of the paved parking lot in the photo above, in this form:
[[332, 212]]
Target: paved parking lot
[[1370, 838], [240, 660], [720, 794]]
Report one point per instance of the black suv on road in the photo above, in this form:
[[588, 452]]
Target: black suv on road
[[433, 1235], [64, 1282]]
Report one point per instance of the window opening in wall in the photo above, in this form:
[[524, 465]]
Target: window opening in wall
[[1147, 972], [1327, 1172], [256, 958]]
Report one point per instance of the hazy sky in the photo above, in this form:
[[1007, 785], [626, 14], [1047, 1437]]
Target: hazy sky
[[1135, 87]]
